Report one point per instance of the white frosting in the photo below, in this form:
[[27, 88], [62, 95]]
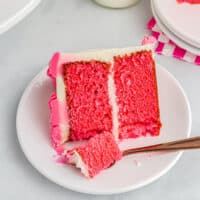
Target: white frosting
[[104, 55], [113, 103], [78, 162], [60, 89]]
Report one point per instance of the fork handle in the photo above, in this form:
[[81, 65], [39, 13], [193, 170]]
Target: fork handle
[[184, 144]]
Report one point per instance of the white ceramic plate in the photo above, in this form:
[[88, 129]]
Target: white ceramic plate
[[182, 19], [11, 12], [181, 43], [131, 172]]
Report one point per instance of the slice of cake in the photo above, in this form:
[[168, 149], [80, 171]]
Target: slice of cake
[[99, 153], [112, 90]]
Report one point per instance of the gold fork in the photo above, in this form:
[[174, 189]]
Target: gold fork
[[184, 144]]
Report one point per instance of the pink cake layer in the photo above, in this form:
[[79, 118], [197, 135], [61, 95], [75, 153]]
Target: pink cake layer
[[99, 153], [137, 96], [87, 98]]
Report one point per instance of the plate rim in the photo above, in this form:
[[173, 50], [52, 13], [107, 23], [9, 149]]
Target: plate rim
[[180, 42], [96, 192]]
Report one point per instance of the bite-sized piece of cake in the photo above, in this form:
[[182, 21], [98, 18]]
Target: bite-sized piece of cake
[[112, 90], [99, 153], [189, 1]]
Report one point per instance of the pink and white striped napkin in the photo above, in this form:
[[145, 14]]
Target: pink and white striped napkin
[[167, 47]]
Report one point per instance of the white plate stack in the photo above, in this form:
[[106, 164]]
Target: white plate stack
[[180, 22]]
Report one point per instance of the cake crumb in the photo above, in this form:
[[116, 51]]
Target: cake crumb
[[61, 160], [150, 155], [137, 163]]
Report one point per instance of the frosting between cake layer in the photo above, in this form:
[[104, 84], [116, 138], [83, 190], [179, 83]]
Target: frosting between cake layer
[[113, 103]]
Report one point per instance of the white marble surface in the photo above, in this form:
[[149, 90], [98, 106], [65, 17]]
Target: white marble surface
[[73, 25]]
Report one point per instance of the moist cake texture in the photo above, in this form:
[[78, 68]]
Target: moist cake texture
[[112, 90]]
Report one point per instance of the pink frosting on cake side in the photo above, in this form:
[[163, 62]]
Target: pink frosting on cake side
[[52, 70], [58, 120], [56, 136]]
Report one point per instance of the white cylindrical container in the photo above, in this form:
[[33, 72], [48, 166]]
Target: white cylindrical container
[[116, 3]]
